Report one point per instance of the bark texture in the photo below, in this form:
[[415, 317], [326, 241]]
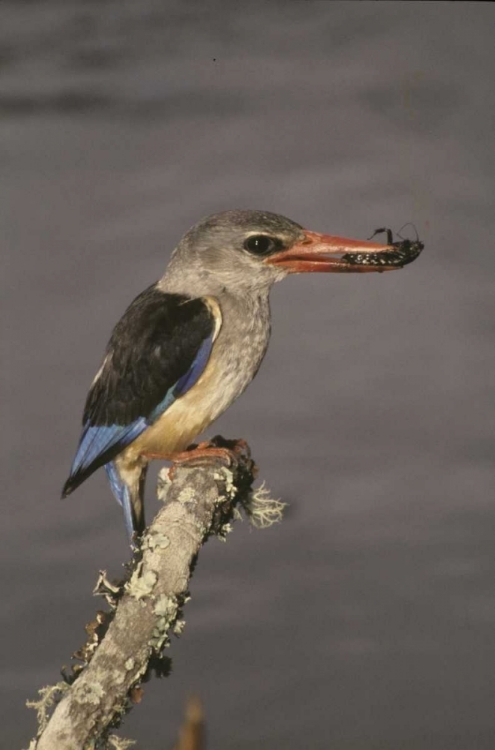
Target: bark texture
[[198, 502]]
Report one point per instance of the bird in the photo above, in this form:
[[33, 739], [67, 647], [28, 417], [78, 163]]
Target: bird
[[191, 343]]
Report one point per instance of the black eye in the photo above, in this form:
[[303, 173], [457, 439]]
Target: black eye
[[261, 244]]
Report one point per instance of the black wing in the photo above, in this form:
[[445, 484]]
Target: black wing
[[156, 352]]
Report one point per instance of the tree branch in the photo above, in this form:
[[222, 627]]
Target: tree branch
[[199, 501]]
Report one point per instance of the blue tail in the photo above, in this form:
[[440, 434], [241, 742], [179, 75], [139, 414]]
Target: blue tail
[[130, 497]]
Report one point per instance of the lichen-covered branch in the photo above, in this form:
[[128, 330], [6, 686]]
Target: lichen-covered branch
[[198, 502]]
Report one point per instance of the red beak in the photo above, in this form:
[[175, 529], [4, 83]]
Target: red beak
[[325, 253]]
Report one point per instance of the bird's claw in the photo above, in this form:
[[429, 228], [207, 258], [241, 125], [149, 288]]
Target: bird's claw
[[230, 452]]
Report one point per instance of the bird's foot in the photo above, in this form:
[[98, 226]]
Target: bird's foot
[[231, 452]]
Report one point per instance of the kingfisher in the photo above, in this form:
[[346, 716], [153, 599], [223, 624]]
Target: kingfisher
[[191, 343]]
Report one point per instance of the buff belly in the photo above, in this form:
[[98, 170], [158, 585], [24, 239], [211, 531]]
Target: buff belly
[[181, 422], [236, 356]]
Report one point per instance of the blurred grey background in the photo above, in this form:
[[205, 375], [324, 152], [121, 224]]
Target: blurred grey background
[[367, 619]]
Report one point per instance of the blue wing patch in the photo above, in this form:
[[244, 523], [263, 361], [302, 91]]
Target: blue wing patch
[[97, 440], [192, 375], [99, 444], [186, 381]]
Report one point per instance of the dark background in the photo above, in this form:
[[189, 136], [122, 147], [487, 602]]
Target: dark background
[[367, 619]]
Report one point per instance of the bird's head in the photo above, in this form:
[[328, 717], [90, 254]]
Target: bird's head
[[248, 250]]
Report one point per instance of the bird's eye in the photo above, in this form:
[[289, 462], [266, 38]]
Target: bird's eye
[[261, 244]]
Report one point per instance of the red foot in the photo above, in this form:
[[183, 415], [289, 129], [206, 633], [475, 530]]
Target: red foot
[[229, 451]]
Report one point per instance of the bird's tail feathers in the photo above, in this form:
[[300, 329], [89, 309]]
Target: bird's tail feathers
[[130, 495], [74, 481]]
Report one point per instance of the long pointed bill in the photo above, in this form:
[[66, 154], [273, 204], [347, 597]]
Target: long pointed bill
[[325, 253]]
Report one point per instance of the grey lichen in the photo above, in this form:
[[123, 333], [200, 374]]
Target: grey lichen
[[166, 609], [261, 509], [50, 695], [163, 485], [158, 541], [110, 591], [103, 582], [226, 476], [224, 531], [166, 606], [141, 584], [119, 743], [89, 692], [187, 495], [179, 627]]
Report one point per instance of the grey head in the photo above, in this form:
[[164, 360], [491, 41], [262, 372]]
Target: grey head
[[245, 252], [228, 252]]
